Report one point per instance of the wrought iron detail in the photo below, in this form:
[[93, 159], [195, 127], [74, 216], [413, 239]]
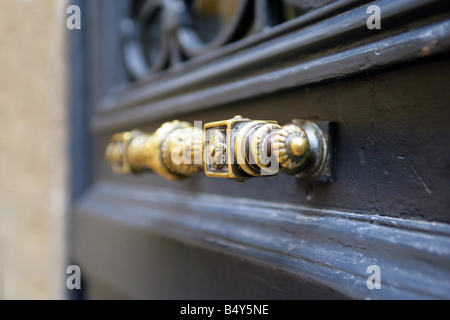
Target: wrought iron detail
[[163, 34]]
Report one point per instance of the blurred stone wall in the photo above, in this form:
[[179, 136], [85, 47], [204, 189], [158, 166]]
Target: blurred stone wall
[[33, 148]]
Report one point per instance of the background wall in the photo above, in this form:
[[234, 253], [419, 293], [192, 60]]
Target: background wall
[[33, 143]]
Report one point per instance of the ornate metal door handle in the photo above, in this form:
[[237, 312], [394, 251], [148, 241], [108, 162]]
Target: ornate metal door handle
[[237, 148]]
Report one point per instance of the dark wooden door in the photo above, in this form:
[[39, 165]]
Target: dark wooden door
[[137, 64]]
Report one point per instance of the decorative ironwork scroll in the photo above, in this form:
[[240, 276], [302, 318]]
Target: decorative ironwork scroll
[[163, 34]]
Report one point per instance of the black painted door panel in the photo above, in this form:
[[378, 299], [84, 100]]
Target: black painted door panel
[[142, 237]]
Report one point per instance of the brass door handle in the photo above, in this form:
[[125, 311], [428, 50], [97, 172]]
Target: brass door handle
[[237, 148]]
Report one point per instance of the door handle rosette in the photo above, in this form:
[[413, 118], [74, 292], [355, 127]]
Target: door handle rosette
[[237, 148]]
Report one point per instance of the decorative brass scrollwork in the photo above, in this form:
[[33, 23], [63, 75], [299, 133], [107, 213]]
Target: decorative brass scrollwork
[[237, 148]]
